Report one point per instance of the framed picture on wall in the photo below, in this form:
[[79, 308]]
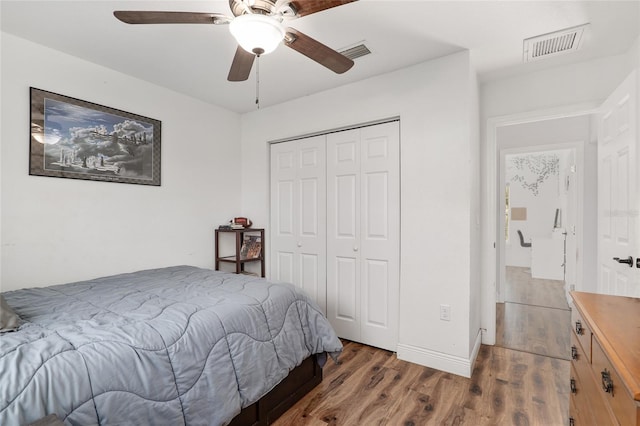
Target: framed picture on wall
[[72, 138]]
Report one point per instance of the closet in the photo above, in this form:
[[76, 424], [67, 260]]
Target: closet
[[335, 227]]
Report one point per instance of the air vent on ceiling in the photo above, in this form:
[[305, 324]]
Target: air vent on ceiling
[[355, 51], [551, 44]]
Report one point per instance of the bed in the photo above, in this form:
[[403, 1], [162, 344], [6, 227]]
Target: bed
[[177, 345]]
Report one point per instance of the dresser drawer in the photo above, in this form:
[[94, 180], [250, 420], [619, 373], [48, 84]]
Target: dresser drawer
[[577, 416], [619, 399], [582, 331], [587, 399], [578, 402]]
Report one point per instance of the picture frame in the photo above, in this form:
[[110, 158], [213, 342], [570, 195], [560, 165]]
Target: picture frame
[[77, 139]]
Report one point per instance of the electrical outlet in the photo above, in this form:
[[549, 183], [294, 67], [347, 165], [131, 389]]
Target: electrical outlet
[[445, 312]]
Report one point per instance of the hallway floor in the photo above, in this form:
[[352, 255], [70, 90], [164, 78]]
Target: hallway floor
[[535, 317]]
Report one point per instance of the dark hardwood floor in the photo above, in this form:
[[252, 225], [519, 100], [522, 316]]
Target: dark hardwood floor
[[372, 387], [523, 380]]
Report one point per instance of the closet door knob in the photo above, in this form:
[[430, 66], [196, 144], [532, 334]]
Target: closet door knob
[[299, 244], [355, 248]]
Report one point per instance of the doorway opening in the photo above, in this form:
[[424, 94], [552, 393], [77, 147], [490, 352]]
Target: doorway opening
[[567, 129], [538, 252]]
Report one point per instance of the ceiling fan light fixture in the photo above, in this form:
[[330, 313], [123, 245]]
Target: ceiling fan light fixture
[[258, 34]]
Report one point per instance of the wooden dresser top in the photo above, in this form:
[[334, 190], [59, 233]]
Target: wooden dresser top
[[615, 321]]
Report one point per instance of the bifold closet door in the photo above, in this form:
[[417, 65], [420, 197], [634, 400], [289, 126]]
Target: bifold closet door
[[363, 233], [298, 215]]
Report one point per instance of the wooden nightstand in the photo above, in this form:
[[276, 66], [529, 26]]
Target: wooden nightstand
[[238, 258]]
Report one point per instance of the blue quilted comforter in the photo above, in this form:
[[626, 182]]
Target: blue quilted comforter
[[170, 346]]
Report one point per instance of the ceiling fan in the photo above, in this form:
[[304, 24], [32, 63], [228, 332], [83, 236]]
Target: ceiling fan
[[257, 26]]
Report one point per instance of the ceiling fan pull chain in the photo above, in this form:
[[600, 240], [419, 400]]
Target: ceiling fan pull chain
[[258, 81]]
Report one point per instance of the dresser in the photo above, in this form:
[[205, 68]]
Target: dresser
[[605, 360]]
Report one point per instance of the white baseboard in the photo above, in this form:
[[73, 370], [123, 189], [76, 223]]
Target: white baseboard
[[441, 361], [475, 350]]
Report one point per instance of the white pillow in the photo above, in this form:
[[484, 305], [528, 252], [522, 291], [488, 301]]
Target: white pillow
[[9, 320]]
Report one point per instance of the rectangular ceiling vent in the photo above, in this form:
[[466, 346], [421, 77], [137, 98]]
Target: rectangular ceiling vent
[[552, 44], [355, 51]]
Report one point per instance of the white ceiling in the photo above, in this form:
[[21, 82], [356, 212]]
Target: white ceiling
[[195, 59]]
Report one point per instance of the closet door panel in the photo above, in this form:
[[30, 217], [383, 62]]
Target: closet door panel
[[380, 234], [345, 207], [298, 215], [284, 209], [283, 200], [309, 273], [375, 197], [347, 303], [343, 305], [376, 277], [312, 228], [343, 210], [284, 266], [309, 208]]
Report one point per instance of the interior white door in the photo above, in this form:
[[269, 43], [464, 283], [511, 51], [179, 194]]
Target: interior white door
[[618, 192], [363, 234], [298, 215]]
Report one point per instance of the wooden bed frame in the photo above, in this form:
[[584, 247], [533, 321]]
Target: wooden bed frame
[[297, 384]]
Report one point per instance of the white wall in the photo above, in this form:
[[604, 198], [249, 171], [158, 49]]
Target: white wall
[[475, 305], [538, 93], [60, 230], [540, 207], [435, 103]]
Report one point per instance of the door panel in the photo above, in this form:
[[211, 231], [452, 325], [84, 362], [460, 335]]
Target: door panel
[[375, 195], [622, 283], [347, 291], [309, 273], [380, 230], [376, 277], [309, 206], [622, 199], [343, 211], [604, 198], [298, 215], [345, 206], [605, 285], [618, 200], [284, 266], [363, 233], [285, 208]]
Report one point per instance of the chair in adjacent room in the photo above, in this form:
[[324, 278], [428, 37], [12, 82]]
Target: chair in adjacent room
[[522, 243]]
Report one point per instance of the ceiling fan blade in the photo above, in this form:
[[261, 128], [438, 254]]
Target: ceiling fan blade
[[241, 65], [317, 51], [307, 7], [159, 17]]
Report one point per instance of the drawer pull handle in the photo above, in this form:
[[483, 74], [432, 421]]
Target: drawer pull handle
[[574, 352], [607, 383], [579, 329], [573, 386]]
